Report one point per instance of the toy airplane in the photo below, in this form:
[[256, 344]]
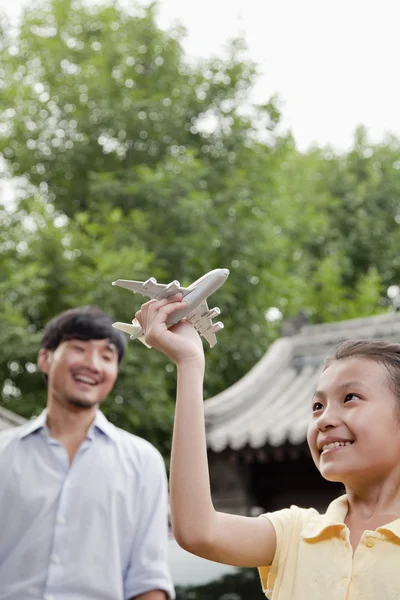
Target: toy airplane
[[196, 311]]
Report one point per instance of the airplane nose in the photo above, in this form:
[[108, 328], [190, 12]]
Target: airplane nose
[[226, 272]]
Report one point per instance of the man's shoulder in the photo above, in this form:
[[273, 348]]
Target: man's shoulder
[[139, 455], [134, 451], [10, 434], [18, 431], [137, 448], [131, 441]]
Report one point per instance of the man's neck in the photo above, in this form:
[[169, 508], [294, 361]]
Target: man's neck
[[69, 425], [65, 421]]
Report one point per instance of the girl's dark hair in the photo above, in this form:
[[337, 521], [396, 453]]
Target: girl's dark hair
[[384, 353], [83, 323]]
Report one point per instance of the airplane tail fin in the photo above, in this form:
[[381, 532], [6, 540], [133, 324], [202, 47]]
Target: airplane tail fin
[[134, 330]]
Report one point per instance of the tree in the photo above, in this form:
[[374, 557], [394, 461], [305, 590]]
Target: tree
[[122, 178], [99, 90], [134, 162], [364, 216]]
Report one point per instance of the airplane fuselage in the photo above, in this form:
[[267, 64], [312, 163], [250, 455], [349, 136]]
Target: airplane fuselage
[[200, 290]]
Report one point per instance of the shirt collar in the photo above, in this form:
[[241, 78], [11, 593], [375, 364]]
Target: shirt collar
[[393, 527], [100, 422], [33, 425], [334, 517], [103, 424]]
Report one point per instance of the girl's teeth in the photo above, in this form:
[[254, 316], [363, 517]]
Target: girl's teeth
[[335, 445]]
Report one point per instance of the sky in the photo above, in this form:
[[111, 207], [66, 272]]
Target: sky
[[334, 64]]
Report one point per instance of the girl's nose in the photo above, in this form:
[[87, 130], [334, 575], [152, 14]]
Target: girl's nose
[[329, 418]]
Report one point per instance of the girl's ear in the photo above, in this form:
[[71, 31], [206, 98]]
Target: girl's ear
[[44, 359]]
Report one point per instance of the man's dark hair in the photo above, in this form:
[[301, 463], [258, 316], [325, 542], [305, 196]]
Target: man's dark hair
[[83, 323]]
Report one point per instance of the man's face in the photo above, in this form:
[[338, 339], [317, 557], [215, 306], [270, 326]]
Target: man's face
[[354, 434], [80, 373]]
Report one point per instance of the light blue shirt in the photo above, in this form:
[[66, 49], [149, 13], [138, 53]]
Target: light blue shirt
[[93, 530]]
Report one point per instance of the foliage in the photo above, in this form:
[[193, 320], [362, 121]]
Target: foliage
[[134, 162]]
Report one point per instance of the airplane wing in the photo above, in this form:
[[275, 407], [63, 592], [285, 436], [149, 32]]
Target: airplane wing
[[210, 337], [151, 289], [202, 323]]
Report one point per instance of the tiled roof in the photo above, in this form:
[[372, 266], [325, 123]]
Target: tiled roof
[[271, 403], [9, 419]]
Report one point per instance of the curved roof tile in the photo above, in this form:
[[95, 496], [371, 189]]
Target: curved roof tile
[[271, 404]]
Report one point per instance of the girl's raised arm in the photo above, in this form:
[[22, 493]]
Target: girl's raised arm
[[197, 526]]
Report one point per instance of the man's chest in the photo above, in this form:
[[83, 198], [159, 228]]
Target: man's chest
[[65, 525], [40, 487]]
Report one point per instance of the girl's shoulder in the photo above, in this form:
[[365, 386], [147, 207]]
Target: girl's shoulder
[[308, 521]]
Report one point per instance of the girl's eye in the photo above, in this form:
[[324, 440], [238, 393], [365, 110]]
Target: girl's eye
[[349, 397], [317, 406]]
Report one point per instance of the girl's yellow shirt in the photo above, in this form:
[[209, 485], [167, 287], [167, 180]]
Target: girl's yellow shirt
[[314, 558]]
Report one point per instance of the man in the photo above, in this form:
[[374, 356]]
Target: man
[[83, 504]]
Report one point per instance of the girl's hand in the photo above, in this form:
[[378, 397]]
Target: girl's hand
[[181, 342]]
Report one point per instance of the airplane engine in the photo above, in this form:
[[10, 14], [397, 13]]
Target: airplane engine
[[171, 287], [213, 312], [217, 327], [151, 281]]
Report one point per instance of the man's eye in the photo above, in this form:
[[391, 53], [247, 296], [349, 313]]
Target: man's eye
[[79, 348], [317, 406]]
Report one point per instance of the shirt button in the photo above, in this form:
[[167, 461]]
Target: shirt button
[[370, 542], [56, 559], [48, 597], [343, 581], [61, 520]]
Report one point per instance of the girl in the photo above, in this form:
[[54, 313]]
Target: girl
[[353, 550]]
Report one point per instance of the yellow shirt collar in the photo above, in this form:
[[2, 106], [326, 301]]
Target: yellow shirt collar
[[334, 518]]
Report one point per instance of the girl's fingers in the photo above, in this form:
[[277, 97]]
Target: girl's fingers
[[162, 308], [141, 315], [165, 310], [157, 304]]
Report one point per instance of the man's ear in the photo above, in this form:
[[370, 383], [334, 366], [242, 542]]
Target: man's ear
[[44, 360]]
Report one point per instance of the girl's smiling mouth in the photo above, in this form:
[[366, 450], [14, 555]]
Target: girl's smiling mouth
[[329, 447]]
